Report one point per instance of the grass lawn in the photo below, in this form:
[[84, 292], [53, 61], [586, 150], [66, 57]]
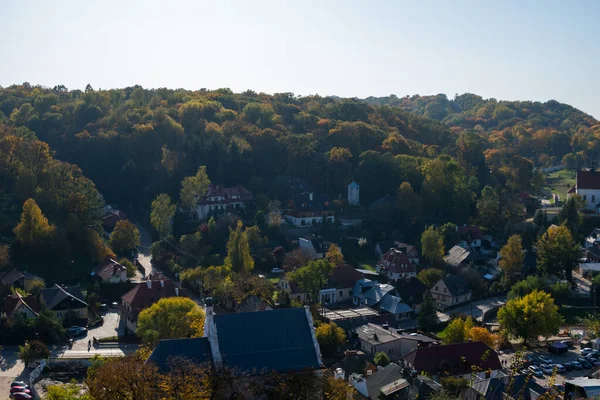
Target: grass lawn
[[560, 182], [367, 266], [274, 280]]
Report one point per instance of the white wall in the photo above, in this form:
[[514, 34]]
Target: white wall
[[592, 197]]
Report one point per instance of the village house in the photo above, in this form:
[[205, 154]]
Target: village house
[[304, 219], [314, 246], [11, 277], [281, 340], [459, 359], [593, 239], [110, 272], [67, 304], [411, 251], [340, 283], [411, 291], [587, 186], [395, 265], [253, 303], [143, 295], [293, 289], [503, 386], [111, 217], [369, 293], [219, 200], [385, 383], [470, 236], [460, 257], [450, 291], [394, 305], [28, 306], [376, 338]]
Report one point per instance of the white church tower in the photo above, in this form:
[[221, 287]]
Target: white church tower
[[354, 194]]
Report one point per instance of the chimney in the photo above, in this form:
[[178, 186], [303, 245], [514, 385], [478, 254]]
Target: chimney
[[176, 291], [149, 284], [339, 373], [162, 283]]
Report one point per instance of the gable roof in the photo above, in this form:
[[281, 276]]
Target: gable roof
[[394, 305], [142, 296], [53, 296], [196, 350], [343, 276], [517, 387], [455, 359], [385, 376], [409, 249], [230, 194], [353, 185], [396, 261], [383, 201], [456, 285], [588, 179], [470, 232], [281, 340], [252, 303], [456, 256], [10, 276], [12, 303], [411, 290], [111, 217], [371, 292], [109, 270]]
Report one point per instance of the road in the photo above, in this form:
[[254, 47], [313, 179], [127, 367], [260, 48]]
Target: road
[[583, 286], [477, 309], [144, 257], [11, 369]]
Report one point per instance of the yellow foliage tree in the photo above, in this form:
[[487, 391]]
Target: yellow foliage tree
[[334, 255]]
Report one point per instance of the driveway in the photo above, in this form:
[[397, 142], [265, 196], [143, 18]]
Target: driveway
[[11, 369], [583, 286], [144, 257], [477, 309], [113, 325]]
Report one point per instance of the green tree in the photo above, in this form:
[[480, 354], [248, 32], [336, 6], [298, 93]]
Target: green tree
[[432, 245], [125, 237], [170, 318], [569, 215], [3, 255], [488, 208], [32, 350], [238, 250], [382, 359], [427, 318], [66, 391], [512, 256], [530, 316], [194, 188], [526, 286], [330, 338], [129, 267], [457, 331], [162, 215], [430, 276], [557, 252], [540, 218], [312, 278], [450, 233], [34, 227]]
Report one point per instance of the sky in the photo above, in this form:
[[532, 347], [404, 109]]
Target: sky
[[508, 50]]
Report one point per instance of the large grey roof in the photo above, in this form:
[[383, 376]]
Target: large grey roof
[[394, 305], [390, 373], [196, 350], [456, 256], [456, 285], [54, 295]]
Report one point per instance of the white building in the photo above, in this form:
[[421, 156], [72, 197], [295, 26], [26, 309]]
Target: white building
[[219, 200], [305, 219], [587, 186], [354, 194]]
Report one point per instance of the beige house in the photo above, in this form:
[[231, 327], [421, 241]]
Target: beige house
[[293, 289], [67, 304], [451, 290]]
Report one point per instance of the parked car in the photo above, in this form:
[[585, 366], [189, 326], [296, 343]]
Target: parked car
[[77, 331], [277, 271], [584, 363], [21, 396], [19, 383], [576, 365], [536, 371], [525, 371], [103, 307], [547, 369], [593, 361], [593, 353], [568, 366], [545, 359], [19, 389], [585, 351], [560, 368]]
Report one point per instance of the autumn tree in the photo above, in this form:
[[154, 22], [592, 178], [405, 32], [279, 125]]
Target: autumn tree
[[488, 208], [312, 278], [31, 350], [512, 256], [334, 255], [34, 227], [481, 334], [457, 331], [238, 250], [432, 245], [530, 316], [557, 252], [408, 204], [170, 318], [330, 338], [162, 215], [430, 276], [193, 188], [427, 318], [125, 237], [66, 391]]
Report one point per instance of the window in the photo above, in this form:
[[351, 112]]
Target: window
[[593, 198], [444, 290], [59, 314], [436, 288], [584, 197], [341, 293]]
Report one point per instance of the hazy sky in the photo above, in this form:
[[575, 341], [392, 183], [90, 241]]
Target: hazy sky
[[507, 49]]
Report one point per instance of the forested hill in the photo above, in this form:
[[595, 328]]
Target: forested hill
[[545, 132], [134, 143]]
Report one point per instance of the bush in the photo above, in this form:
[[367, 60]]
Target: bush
[[382, 359]]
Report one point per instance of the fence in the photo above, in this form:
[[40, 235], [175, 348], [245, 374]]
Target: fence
[[33, 375]]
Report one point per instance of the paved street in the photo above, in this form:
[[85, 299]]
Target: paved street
[[144, 257], [113, 326], [477, 309], [11, 369], [583, 286]]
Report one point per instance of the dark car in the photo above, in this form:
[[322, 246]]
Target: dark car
[[568, 366], [584, 363], [77, 331], [19, 383], [21, 396]]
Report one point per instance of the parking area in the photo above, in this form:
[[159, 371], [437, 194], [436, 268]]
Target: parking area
[[11, 369], [113, 326], [548, 379]]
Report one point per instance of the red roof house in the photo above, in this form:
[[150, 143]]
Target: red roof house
[[26, 305], [395, 264]]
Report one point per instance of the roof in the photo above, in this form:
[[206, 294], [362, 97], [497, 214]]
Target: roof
[[55, 295], [229, 194], [385, 245], [456, 285], [394, 305], [380, 379], [409, 249], [371, 292], [10, 276], [396, 261], [367, 272], [517, 386], [470, 232], [588, 179], [353, 185], [311, 201], [196, 350], [109, 270], [384, 201], [13, 302], [142, 296], [590, 267], [253, 303], [111, 217], [368, 331], [343, 276], [456, 256], [411, 290], [281, 340], [572, 190], [455, 359]]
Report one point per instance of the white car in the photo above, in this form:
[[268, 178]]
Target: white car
[[545, 359], [547, 369], [536, 371], [586, 350]]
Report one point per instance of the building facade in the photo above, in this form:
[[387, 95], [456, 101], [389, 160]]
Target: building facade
[[354, 194], [220, 200]]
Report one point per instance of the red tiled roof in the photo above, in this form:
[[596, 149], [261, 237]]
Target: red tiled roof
[[109, 270], [572, 190], [344, 276], [142, 296], [588, 180], [455, 359], [471, 231], [110, 218], [240, 192], [396, 261], [11, 303]]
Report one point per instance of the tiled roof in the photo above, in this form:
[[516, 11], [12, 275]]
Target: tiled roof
[[11, 303], [456, 285], [108, 270], [411, 290], [196, 350], [230, 194], [110, 218], [588, 180], [456, 256], [396, 261], [142, 296], [55, 295], [253, 303], [455, 359], [344, 276], [394, 305], [470, 232], [280, 340], [10, 276], [390, 373]]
